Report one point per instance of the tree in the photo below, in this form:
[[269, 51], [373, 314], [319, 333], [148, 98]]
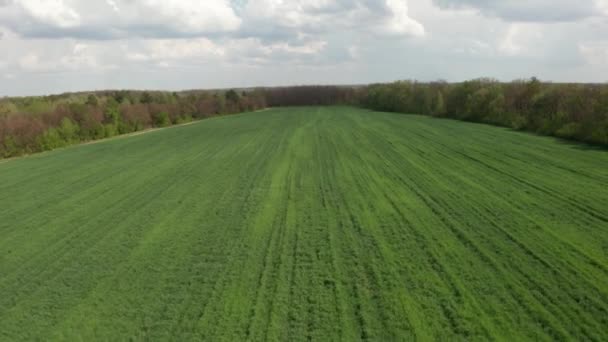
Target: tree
[[439, 109], [51, 139], [9, 145], [92, 100], [146, 98], [232, 96], [112, 113], [161, 119], [119, 96], [68, 130]]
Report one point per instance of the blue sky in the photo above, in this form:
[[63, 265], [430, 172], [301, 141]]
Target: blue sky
[[52, 46]]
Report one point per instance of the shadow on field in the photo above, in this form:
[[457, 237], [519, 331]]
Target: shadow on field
[[581, 145], [578, 145]]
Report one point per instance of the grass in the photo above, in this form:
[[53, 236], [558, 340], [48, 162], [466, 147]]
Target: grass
[[307, 223]]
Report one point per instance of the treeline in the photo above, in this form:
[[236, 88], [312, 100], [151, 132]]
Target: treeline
[[35, 124], [571, 111], [313, 96]]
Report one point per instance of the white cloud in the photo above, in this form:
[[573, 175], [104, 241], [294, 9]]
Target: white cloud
[[595, 53], [187, 16], [117, 19], [528, 10], [602, 5], [182, 49], [30, 62], [400, 21], [83, 57], [313, 47], [509, 43], [276, 18], [54, 13], [79, 57], [519, 39], [161, 19], [138, 56], [113, 5], [474, 47], [237, 51], [253, 51], [353, 52]]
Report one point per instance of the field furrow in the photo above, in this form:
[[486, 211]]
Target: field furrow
[[313, 223]]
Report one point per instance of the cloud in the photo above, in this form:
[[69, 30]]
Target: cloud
[[118, 19], [399, 20], [520, 39], [199, 51], [73, 57], [167, 33], [83, 57], [528, 10], [54, 13], [163, 50], [602, 5], [31, 62], [188, 17], [27, 16], [155, 19], [277, 19], [253, 51], [113, 5], [595, 53]]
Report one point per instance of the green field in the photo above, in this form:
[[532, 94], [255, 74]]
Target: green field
[[307, 223]]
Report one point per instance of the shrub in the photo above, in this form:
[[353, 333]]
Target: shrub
[[569, 130], [110, 130], [161, 119], [51, 139], [68, 130]]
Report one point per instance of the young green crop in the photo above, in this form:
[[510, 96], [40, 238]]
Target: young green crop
[[312, 223]]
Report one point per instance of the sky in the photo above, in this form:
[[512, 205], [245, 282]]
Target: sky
[[55, 46]]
